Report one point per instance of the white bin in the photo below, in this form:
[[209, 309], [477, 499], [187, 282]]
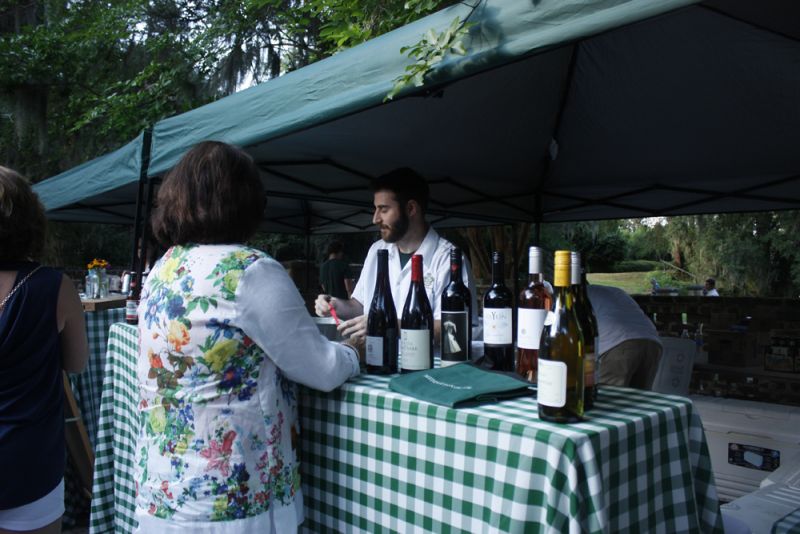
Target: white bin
[[777, 503], [747, 441]]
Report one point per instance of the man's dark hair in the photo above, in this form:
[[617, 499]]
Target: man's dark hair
[[213, 195], [335, 247], [711, 282], [22, 221], [406, 184]]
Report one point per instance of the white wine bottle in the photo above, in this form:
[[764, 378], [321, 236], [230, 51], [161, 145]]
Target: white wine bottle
[[561, 372], [588, 323]]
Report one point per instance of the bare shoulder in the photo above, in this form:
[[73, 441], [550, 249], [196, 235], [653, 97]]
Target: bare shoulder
[[69, 302]]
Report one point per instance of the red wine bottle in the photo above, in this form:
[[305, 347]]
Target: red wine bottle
[[456, 315], [416, 325], [382, 333], [132, 299], [498, 342], [532, 307]]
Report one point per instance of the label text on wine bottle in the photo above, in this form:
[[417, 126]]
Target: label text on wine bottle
[[416, 346], [497, 326], [552, 383], [374, 350], [131, 312], [455, 338], [530, 323]]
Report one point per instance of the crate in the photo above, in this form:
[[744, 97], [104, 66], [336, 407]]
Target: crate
[[783, 352], [738, 349]]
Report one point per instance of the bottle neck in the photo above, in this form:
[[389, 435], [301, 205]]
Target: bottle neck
[[536, 278], [561, 278], [416, 268], [455, 271], [575, 274], [383, 270], [498, 272]]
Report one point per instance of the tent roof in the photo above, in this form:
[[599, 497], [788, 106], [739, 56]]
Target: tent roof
[[560, 111], [99, 190]]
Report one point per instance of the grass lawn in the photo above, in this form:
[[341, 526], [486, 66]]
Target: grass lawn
[[631, 283]]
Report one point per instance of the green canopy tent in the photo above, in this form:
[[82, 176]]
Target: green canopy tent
[[559, 111]]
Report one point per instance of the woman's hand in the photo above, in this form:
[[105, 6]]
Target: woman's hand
[[323, 305], [354, 328]]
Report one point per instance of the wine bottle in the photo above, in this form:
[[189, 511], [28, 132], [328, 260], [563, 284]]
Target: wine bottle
[[532, 307], [456, 315], [588, 324], [560, 378], [132, 299], [416, 324], [498, 343], [382, 334]]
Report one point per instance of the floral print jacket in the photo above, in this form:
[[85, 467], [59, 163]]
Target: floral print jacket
[[218, 417]]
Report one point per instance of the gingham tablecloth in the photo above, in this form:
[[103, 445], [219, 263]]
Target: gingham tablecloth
[[378, 461], [87, 388], [88, 385], [114, 491]]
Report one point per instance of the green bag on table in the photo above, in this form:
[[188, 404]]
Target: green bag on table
[[461, 385]]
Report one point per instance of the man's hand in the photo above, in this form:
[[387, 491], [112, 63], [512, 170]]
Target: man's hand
[[323, 305], [354, 328]]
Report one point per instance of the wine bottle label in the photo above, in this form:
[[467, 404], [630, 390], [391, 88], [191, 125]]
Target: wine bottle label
[[552, 383], [497, 326], [131, 312], [455, 336], [374, 350], [416, 351], [530, 323]]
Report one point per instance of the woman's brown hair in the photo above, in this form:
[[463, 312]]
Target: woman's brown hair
[[213, 195], [22, 220]]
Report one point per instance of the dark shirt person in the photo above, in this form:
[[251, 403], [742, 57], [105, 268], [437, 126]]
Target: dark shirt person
[[42, 332], [334, 274]]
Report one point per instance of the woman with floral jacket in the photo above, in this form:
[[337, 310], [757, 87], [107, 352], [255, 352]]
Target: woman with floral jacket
[[224, 336]]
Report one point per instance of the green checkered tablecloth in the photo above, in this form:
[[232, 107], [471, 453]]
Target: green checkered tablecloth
[[374, 460], [114, 490], [86, 388], [378, 461], [88, 385]]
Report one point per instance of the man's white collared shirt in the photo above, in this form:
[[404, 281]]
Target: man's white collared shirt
[[435, 252]]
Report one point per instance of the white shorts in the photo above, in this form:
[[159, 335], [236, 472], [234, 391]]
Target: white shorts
[[36, 514]]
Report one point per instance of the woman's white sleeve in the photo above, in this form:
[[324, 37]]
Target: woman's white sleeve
[[272, 313]]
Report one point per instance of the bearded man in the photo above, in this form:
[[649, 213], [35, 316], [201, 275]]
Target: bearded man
[[400, 200]]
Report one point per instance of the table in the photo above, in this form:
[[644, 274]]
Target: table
[[374, 460], [114, 300]]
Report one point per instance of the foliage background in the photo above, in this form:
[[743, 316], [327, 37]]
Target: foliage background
[[81, 77]]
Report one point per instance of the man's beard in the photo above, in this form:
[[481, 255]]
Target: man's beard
[[396, 231]]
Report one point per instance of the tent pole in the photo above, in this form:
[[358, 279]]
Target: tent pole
[[147, 136], [307, 218]]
